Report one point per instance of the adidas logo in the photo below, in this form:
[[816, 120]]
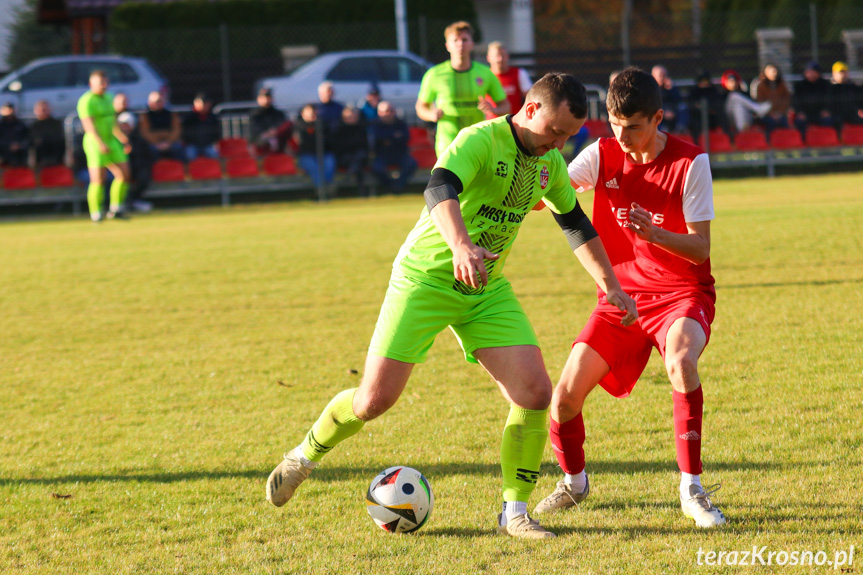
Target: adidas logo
[[691, 435], [612, 183]]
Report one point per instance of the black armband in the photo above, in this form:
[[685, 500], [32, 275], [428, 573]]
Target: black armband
[[443, 185], [576, 227]]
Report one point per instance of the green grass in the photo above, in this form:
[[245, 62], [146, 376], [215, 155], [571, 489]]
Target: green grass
[[156, 370]]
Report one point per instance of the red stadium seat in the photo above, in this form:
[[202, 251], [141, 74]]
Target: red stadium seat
[[852, 135], [56, 177], [205, 169], [425, 157], [419, 137], [751, 141], [786, 139], [242, 167], [280, 165], [233, 147], [168, 171], [821, 137], [598, 129], [719, 142], [19, 179]]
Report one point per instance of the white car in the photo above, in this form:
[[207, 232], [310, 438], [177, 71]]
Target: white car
[[397, 76], [61, 80]]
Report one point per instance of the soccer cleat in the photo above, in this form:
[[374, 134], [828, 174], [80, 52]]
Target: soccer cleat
[[285, 479], [523, 526], [563, 497], [97, 217], [700, 508]]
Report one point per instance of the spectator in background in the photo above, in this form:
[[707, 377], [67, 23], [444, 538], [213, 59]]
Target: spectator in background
[[671, 99], [14, 137], [201, 129], [370, 106], [739, 109], [306, 133], [351, 146], [329, 111], [47, 137], [705, 96], [771, 87], [269, 128], [515, 81], [140, 156], [390, 136], [161, 129], [811, 99], [847, 97], [121, 103]]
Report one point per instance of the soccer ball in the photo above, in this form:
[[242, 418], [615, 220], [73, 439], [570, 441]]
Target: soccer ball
[[400, 499]]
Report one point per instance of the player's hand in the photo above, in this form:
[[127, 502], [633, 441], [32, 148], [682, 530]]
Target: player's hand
[[469, 265], [103, 147], [438, 113], [640, 222], [484, 106], [624, 303]]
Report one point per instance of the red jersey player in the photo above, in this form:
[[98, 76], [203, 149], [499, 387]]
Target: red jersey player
[[653, 203]]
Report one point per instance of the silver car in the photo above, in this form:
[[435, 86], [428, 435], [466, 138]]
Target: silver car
[[61, 80], [397, 76]]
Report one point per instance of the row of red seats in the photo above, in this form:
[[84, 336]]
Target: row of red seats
[[48, 177], [235, 167]]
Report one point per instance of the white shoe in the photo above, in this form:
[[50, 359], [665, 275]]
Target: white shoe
[[523, 526], [563, 497], [699, 507], [285, 478]]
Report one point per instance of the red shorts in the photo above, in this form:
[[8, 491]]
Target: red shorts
[[627, 349]]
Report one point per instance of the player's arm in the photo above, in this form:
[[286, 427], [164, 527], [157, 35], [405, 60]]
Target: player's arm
[[496, 109], [468, 259], [693, 246], [588, 248], [428, 112]]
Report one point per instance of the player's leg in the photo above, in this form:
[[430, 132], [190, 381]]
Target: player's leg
[[684, 343], [520, 373], [119, 188], [95, 190]]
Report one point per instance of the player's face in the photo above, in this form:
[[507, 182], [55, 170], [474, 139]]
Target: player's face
[[459, 45], [635, 134], [98, 84], [498, 59], [547, 129]]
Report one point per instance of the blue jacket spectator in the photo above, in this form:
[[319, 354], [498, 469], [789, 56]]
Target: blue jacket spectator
[[393, 165]]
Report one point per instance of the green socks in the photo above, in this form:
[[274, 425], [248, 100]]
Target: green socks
[[118, 194], [336, 423], [521, 450], [94, 198]]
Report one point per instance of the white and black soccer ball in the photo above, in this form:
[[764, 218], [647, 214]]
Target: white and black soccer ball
[[400, 499]]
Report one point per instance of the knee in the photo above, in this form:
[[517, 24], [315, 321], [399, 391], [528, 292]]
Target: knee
[[683, 372], [371, 406], [536, 396], [567, 401]]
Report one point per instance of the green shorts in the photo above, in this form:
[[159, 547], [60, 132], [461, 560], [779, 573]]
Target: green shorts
[[96, 159], [413, 313]]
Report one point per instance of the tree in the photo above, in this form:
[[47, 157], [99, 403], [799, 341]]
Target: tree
[[30, 40]]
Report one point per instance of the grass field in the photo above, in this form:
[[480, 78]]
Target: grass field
[[155, 371]]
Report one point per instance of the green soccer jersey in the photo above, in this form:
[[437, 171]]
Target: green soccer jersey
[[101, 110], [457, 94], [502, 183]]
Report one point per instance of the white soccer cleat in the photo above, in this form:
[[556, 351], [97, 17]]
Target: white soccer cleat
[[285, 479], [523, 526], [699, 507], [562, 498]]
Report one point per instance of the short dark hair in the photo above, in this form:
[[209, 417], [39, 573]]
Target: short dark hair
[[557, 87], [633, 91]]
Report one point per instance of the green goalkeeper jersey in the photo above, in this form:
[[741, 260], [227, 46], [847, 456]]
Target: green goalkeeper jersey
[[101, 110], [458, 94], [502, 183]]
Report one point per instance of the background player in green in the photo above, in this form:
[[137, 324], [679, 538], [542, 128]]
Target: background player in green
[[103, 145], [453, 92], [449, 273]]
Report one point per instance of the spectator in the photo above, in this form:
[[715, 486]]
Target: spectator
[[390, 135], [329, 111], [515, 81], [306, 134], [671, 98], [270, 129], [739, 109], [705, 94], [14, 137], [811, 100], [47, 137], [161, 129], [771, 87], [351, 146], [370, 106], [140, 162], [201, 129], [847, 97], [121, 103]]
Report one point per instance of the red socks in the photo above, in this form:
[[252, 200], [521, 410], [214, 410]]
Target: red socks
[[567, 439], [688, 411]]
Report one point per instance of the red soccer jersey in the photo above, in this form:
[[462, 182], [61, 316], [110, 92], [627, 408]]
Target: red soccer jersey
[[675, 188]]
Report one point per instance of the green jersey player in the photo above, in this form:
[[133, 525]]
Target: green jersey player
[[453, 93], [449, 273]]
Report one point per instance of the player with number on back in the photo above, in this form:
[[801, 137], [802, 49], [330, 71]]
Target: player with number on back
[[653, 203], [449, 273]]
